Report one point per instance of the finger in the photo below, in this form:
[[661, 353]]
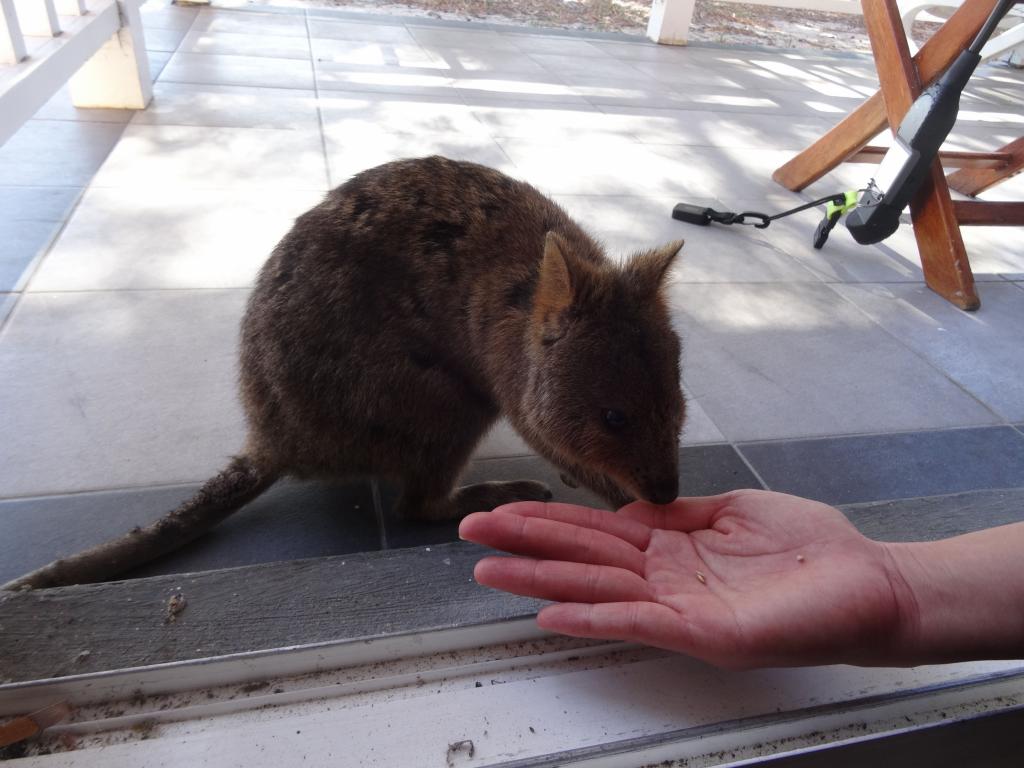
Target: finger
[[686, 514], [643, 622], [556, 580], [550, 540], [633, 531]]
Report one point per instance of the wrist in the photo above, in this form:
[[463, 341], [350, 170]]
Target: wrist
[[958, 599]]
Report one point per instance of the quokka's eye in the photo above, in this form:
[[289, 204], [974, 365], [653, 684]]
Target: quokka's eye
[[613, 419]]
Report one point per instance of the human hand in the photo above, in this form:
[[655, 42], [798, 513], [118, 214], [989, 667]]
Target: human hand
[[747, 578]]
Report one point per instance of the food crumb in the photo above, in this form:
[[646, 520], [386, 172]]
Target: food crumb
[[800, 558], [175, 606], [701, 578]]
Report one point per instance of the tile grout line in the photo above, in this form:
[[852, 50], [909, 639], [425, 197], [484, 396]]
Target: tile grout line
[[319, 109], [750, 465], [1002, 420]]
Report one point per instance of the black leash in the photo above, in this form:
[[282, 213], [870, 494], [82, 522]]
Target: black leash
[[838, 204]]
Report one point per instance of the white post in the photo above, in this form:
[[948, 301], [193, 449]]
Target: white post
[[12, 43], [117, 76], [71, 7], [669, 22], [38, 18]]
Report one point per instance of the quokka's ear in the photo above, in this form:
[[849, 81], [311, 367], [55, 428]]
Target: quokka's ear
[[555, 290], [648, 269]]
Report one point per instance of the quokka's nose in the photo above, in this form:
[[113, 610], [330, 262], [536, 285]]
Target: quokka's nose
[[663, 491]]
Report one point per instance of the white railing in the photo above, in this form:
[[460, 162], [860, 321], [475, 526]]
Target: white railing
[[96, 46]]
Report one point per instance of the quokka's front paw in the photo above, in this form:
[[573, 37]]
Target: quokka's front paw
[[485, 496]]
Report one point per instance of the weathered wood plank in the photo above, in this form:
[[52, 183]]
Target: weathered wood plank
[[857, 128], [937, 517], [123, 624], [44, 634], [992, 214], [948, 158], [944, 259], [975, 181]]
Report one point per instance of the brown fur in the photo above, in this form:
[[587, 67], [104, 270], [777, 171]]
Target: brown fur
[[421, 300]]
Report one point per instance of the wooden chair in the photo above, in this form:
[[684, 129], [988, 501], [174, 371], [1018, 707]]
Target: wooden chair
[[936, 217]]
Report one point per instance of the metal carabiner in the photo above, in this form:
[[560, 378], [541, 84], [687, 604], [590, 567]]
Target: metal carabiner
[[765, 219]]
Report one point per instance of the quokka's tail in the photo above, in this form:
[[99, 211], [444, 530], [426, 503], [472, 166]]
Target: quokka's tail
[[240, 482]]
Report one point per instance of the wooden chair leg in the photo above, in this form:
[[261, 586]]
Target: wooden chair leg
[[858, 128], [944, 259], [971, 181]]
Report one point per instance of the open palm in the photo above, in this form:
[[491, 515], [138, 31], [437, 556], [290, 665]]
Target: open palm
[[748, 578]]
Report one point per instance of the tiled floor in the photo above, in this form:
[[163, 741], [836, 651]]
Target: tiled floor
[[128, 243]]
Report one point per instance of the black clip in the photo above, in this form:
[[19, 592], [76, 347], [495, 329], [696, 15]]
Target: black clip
[[695, 214], [825, 226], [765, 219]]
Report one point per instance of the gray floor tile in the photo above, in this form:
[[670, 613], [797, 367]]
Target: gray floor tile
[[720, 129], [459, 60], [842, 259], [360, 118], [438, 37], [31, 217], [359, 31], [169, 237], [994, 251], [502, 442], [347, 158], [56, 153], [794, 360], [698, 427], [242, 44], [728, 172], [366, 55], [575, 69], [557, 45], [21, 242], [530, 120], [157, 61], [225, 69], [59, 107], [216, 21], [167, 40], [642, 50], [163, 14], [626, 224], [104, 390], [154, 156], [414, 81], [879, 467], [7, 301], [979, 350], [523, 88], [230, 106], [572, 166], [37, 203], [290, 521]]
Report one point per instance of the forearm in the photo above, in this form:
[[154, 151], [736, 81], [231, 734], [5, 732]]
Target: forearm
[[961, 598]]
